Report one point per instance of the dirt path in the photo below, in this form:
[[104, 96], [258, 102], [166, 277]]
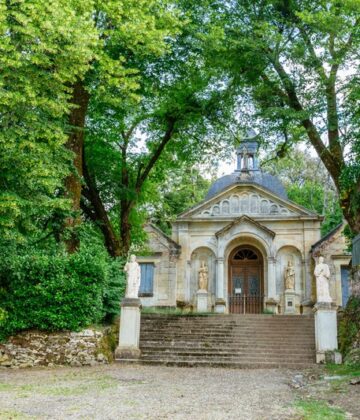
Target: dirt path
[[116, 392]]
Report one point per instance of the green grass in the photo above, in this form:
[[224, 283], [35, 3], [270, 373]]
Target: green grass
[[343, 370], [319, 410]]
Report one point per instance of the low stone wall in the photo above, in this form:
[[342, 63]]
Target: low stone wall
[[35, 348]]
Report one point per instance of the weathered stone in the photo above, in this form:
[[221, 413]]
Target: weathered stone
[[32, 348]]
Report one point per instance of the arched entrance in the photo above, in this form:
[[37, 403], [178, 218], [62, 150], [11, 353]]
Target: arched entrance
[[246, 284]]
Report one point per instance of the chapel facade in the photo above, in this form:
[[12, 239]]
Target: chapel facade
[[253, 245]]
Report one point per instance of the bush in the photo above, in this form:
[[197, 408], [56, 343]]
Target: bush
[[114, 289], [57, 292]]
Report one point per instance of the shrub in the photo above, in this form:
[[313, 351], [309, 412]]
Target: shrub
[[57, 292], [114, 289]]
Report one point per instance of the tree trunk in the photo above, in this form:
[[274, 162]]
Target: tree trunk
[[125, 226], [75, 143], [100, 216]]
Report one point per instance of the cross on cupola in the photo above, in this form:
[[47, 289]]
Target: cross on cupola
[[247, 159]]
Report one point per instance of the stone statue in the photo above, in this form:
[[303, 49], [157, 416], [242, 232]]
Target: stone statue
[[322, 274], [289, 276], [203, 276], [133, 275]]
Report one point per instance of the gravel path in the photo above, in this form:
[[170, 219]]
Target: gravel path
[[146, 392]]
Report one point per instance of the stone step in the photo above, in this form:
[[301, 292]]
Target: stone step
[[223, 364], [228, 331], [236, 337], [230, 347], [233, 356], [248, 324], [226, 350], [245, 358], [249, 330], [228, 340], [224, 316]]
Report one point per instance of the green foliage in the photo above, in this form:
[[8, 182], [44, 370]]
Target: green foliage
[[44, 47], [288, 64], [308, 184], [349, 326], [184, 188], [114, 289], [343, 370], [57, 291]]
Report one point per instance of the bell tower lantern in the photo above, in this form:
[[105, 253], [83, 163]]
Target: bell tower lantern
[[247, 153]]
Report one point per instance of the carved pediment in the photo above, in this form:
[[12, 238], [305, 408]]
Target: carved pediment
[[249, 203], [252, 202], [244, 220]]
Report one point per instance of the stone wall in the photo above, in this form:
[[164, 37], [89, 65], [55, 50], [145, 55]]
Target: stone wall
[[163, 252], [34, 348]]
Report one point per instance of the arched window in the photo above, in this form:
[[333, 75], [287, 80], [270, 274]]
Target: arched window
[[245, 254]]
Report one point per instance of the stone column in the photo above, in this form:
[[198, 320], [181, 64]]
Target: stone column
[[271, 291], [129, 336], [326, 333], [188, 281], [220, 300], [271, 300]]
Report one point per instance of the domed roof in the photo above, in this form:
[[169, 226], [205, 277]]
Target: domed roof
[[248, 170], [263, 179]]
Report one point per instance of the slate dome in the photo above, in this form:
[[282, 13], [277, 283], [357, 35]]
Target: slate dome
[[248, 171]]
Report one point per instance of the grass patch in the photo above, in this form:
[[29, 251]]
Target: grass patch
[[345, 373], [319, 410], [343, 370]]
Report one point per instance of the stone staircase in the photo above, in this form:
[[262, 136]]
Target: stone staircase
[[237, 341]]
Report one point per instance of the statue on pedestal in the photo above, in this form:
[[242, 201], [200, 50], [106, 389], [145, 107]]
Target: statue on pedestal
[[203, 276], [289, 276], [133, 276], [322, 274]]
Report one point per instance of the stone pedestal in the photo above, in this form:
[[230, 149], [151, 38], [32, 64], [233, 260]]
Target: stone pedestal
[[129, 336], [202, 300], [326, 332], [220, 305], [271, 305], [290, 302], [308, 307]]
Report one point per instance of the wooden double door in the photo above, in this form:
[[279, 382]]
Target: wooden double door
[[245, 281]]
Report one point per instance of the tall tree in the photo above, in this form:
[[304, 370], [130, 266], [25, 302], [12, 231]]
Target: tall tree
[[128, 30], [44, 48], [130, 150], [295, 66], [130, 145]]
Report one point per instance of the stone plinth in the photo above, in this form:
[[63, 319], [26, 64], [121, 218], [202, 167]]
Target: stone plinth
[[271, 305], [326, 332], [220, 305], [202, 300], [290, 302], [129, 336]]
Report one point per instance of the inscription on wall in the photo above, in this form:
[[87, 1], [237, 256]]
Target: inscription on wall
[[238, 204]]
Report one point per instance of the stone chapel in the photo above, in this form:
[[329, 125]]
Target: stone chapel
[[249, 236]]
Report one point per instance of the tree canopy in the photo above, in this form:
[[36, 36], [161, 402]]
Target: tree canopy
[[294, 68]]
